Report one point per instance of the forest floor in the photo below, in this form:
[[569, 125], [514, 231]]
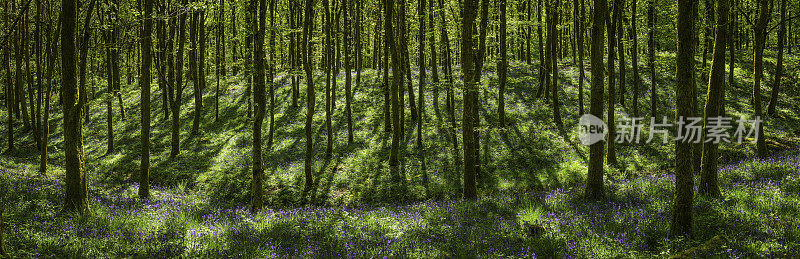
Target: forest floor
[[530, 185]]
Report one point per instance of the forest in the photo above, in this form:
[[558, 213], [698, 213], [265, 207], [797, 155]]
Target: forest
[[399, 128]]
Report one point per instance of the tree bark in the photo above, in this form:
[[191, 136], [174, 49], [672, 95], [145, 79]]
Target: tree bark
[[579, 38], [258, 11], [652, 58], [468, 60], [708, 172], [760, 38], [611, 155], [684, 183], [502, 67], [75, 198], [594, 178], [144, 84], [309, 163], [778, 67]]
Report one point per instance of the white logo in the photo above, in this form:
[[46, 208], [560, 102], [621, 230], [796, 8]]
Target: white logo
[[591, 129]]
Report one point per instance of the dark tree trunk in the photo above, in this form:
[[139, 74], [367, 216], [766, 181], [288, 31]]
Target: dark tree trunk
[[75, 198], [422, 73], [309, 155], [779, 67], [620, 27], [258, 11], [708, 172], [579, 38], [144, 84], [327, 64], [397, 83], [434, 56], [544, 59], [387, 112], [611, 155], [502, 67], [594, 178], [634, 35], [468, 65], [271, 76], [200, 78], [684, 177], [760, 38], [177, 98], [348, 94], [652, 58]]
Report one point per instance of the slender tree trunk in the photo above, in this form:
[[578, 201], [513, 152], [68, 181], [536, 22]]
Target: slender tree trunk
[[258, 11], [779, 67], [307, 48], [553, 17], [75, 198], [387, 112], [45, 125], [544, 59], [731, 60], [708, 172], [434, 56], [144, 84], [684, 177], [272, 69], [468, 65], [652, 58], [620, 27], [594, 178], [611, 155], [422, 73], [110, 85], [634, 35], [397, 83], [200, 78], [177, 98], [579, 38], [348, 94], [760, 38], [502, 66], [328, 64], [11, 103]]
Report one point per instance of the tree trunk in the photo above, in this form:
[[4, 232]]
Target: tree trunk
[[200, 78], [553, 43], [434, 56], [397, 83], [621, 50], [468, 65], [422, 73], [328, 63], [177, 98], [309, 163], [11, 103], [75, 198], [347, 77], [611, 155], [594, 178], [144, 84], [579, 38], [760, 33], [502, 66], [544, 55], [634, 35], [779, 67], [708, 172], [271, 76], [387, 112], [684, 190], [652, 58], [258, 11]]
